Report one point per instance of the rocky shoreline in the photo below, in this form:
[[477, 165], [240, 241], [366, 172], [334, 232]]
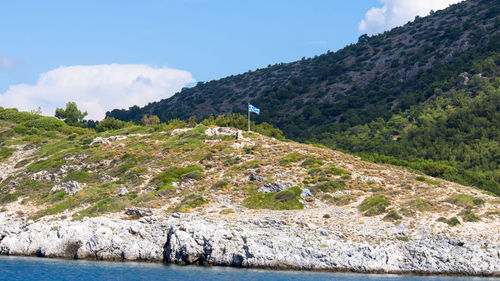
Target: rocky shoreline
[[266, 242]]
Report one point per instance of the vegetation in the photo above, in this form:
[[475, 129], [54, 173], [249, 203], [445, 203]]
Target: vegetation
[[71, 114], [284, 200], [373, 206], [451, 222], [431, 105]]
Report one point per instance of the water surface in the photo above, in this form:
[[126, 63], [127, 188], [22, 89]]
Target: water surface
[[40, 269]]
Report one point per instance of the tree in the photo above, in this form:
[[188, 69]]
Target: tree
[[151, 120], [71, 115]]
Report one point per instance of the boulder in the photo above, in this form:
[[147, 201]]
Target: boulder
[[139, 212], [273, 187], [70, 187], [123, 191], [254, 177]]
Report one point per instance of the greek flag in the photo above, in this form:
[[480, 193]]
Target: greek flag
[[254, 109]]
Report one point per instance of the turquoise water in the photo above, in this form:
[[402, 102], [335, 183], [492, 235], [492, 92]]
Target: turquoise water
[[27, 268]]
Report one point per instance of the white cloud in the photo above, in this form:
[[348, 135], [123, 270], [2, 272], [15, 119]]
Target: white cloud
[[7, 63], [97, 88], [398, 12]]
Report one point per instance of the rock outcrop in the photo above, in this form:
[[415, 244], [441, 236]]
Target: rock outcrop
[[265, 242]]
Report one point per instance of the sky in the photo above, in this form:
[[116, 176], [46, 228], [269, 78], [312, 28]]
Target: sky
[[118, 53]]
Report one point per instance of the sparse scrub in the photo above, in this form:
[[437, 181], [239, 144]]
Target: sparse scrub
[[284, 200], [419, 204], [451, 222], [373, 206], [464, 200]]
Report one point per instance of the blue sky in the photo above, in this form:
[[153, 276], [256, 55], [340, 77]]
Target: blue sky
[[209, 39]]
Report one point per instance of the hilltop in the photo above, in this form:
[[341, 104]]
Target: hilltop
[[219, 195], [423, 95]]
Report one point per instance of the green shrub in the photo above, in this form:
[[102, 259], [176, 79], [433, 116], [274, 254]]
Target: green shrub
[[464, 200], [220, 184], [283, 200], [291, 158], [192, 200], [311, 162], [468, 215], [110, 123], [392, 215], [340, 200], [77, 175], [451, 222], [373, 206], [46, 123], [419, 204], [420, 178], [6, 152], [177, 174], [8, 197], [13, 115], [330, 186]]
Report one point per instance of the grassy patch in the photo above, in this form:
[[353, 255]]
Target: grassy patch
[[464, 200], [106, 205], [283, 200], [469, 216], [311, 162], [340, 200], [373, 206], [8, 197], [392, 215], [221, 184], [192, 200], [6, 152], [419, 204], [77, 175], [292, 158], [329, 186], [226, 211], [451, 222], [47, 164], [177, 174]]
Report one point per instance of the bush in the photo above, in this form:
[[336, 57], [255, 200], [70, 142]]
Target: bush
[[177, 174], [464, 200], [220, 184], [420, 204], [110, 123], [7, 198], [6, 152], [468, 215], [283, 200], [13, 115], [451, 222], [330, 186], [192, 200], [311, 162], [77, 175], [46, 123], [373, 206], [392, 215]]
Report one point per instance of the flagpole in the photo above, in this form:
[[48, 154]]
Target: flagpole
[[249, 117]]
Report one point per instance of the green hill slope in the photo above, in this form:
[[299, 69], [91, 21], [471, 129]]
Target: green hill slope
[[425, 93]]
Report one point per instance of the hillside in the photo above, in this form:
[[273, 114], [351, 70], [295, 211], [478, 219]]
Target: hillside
[[425, 94], [222, 196], [55, 169]]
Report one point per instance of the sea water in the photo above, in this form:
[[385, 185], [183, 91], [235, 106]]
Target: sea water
[[40, 269]]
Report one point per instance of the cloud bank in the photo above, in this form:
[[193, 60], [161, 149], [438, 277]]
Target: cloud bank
[[97, 88], [398, 12]]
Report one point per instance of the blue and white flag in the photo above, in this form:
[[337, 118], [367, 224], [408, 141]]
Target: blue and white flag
[[254, 109]]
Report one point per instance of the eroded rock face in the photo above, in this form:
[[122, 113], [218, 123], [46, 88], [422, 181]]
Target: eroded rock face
[[264, 242]]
